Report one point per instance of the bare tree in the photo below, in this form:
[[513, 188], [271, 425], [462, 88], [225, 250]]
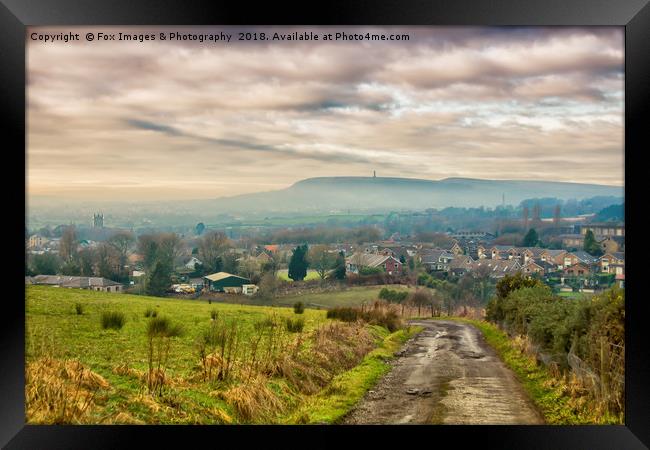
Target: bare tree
[[556, 215], [68, 245], [211, 249], [525, 217], [122, 242], [321, 259], [107, 261], [421, 297], [537, 214]]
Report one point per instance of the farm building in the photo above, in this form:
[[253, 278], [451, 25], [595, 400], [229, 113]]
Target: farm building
[[93, 283], [225, 282]]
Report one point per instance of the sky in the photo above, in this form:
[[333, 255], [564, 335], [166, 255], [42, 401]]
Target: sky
[[162, 120]]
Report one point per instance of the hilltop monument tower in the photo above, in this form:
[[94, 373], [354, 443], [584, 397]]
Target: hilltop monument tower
[[98, 220]]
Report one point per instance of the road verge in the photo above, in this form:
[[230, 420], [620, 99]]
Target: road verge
[[332, 404]]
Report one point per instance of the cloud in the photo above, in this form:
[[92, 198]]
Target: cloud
[[505, 103]]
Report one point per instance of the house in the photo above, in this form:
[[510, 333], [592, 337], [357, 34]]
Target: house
[[135, 260], [263, 258], [580, 256], [521, 253], [498, 267], [36, 241], [547, 267], [577, 270], [347, 249], [604, 229], [500, 251], [555, 257], [192, 262], [611, 260], [620, 280], [572, 240], [532, 267], [473, 235], [585, 257], [611, 244], [437, 260], [461, 264], [454, 248], [91, 283], [225, 282], [360, 260]]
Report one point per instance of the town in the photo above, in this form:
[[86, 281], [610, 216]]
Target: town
[[589, 259]]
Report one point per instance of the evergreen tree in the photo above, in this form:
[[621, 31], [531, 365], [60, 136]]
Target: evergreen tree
[[200, 227], [531, 239], [298, 264], [159, 279], [339, 267], [590, 245]]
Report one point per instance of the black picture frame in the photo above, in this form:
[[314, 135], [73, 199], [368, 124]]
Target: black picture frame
[[634, 15]]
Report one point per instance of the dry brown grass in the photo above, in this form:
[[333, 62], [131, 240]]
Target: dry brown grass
[[253, 400], [124, 418], [60, 391]]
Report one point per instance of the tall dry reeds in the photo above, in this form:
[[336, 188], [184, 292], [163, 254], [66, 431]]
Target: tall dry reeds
[[160, 330], [60, 391]]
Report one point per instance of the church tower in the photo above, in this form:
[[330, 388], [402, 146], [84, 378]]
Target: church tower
[[98, 220]]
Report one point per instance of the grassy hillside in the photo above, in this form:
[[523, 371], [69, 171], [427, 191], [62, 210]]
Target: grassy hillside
[[107, 369], [353, 296], [283, 274]]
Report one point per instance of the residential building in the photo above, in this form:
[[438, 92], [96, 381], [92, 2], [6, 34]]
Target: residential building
[[437, 260], [609, 261], [604, 229], [360, 260], [36, 241]]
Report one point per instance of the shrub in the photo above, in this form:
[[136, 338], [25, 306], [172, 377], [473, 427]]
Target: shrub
[[295, 325], [113, 319], [344, 314], [299, 307], [267, 322], [371, 271], [385, 318], [590, 329], [392, 295], [159, 330], [150, 312], [162, 327], [79, 308], [378, 315]]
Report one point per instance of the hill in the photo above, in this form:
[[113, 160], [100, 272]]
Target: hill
[[370, 193]]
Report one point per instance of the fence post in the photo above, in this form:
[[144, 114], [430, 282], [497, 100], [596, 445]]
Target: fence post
[[604, 371]]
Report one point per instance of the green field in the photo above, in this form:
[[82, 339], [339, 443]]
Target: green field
[[55, 330], [574, 294], [311, 275], [352, 296]]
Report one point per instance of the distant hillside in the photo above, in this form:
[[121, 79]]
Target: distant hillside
[[612, 213], [322, 195], [369, 193]]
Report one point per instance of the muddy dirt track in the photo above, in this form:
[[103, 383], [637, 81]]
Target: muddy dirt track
[[447, 374]]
